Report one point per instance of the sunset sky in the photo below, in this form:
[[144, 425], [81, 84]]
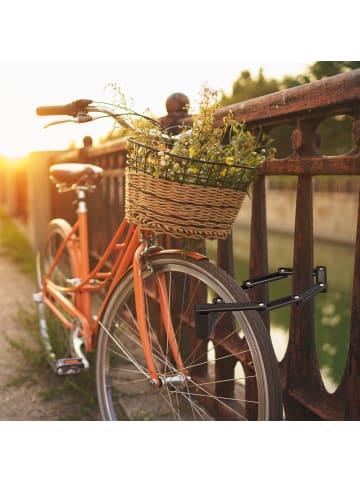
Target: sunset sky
[[25, 85]]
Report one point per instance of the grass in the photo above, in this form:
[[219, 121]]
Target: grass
[[76, 394], [15, 244]]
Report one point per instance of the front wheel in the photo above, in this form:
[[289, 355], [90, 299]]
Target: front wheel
[[233, 374]]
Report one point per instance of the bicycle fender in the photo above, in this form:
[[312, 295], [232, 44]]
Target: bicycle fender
[[181, 252]]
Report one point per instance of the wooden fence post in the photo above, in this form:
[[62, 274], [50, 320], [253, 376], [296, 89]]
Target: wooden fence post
[[39, 197]]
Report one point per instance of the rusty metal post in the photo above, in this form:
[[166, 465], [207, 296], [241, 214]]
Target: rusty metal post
[[349, 388], [258, 262], [303, 380]]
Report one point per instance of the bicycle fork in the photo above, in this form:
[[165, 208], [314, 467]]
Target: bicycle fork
[[156, 379]]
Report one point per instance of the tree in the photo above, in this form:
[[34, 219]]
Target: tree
[[327, 68], [245, 87], [335, 132]]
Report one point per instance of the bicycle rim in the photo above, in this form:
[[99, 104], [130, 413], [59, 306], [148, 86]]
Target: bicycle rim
[[233, 374]]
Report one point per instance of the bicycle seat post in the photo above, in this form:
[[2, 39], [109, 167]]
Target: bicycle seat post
[[84, 266]]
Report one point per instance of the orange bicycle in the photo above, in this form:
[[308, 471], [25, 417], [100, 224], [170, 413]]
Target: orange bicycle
[[154, 359]]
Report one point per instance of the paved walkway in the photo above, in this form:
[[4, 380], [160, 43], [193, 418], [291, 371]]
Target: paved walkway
[[21, 385]]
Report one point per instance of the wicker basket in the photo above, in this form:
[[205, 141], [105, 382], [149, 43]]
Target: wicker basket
[[184, 208]]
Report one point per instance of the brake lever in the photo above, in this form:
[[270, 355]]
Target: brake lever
[[59, 122], [81, 118]]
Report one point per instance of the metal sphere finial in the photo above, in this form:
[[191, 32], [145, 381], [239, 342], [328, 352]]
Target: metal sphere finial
[[177, 102]]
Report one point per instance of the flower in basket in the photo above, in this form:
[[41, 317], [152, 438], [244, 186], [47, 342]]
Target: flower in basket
[[206, 154], [192, 184]]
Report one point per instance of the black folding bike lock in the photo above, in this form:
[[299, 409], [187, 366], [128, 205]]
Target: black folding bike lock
[[206, 314]]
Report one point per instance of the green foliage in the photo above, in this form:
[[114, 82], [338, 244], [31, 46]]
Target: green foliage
[[16, 245], [245, 87], [75, 396], [327, 68], [335, 132]]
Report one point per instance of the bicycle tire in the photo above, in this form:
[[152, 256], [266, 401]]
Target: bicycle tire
[[55, 336], [238, 346]]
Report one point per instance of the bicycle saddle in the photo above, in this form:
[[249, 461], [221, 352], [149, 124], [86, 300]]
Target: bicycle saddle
[[76, 173]]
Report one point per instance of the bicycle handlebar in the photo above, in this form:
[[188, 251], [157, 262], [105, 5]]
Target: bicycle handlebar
[[80, 109], [73, 109]]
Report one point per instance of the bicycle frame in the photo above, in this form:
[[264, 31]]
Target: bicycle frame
[[129, 255]]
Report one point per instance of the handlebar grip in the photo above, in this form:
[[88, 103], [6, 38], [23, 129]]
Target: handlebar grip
[[71, 109], [53, 110]]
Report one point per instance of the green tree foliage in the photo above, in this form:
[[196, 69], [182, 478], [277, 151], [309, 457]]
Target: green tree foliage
[[327, 68], [335, 132], [245, 87]]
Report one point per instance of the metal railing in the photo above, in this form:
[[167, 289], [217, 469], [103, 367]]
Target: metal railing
[[305, 107]]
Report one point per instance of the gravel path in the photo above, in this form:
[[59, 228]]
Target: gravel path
[[21, 384]]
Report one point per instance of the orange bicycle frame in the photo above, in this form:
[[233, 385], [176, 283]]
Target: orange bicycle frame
[[130, 251]]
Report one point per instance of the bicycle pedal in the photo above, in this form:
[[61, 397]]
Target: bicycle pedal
[[69, 366]]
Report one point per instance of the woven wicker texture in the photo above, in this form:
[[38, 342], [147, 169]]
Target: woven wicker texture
[[180, 210]]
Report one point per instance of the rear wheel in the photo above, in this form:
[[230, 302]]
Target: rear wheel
[[58, 340], [233, 374]]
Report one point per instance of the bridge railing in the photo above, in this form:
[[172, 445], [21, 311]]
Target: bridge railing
[[304, 108]]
